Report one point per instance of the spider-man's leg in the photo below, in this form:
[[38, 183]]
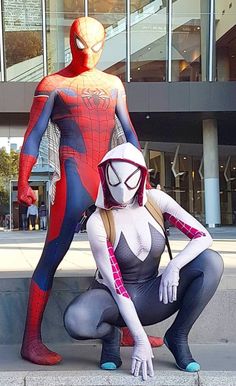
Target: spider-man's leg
[[71, 201]]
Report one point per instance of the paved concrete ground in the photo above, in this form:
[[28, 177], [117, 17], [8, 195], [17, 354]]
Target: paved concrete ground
[[80, 367], [21, 250], [19, 253]]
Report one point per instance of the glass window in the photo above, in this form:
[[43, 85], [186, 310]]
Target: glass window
[[23, 40], [225, 41], [227, 177], [112, 15], [148, 41], [186, 41], [60, 15], [0, 68], [9, 159]]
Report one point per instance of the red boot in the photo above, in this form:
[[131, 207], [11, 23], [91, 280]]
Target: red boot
[[128, 341], [32, 348]]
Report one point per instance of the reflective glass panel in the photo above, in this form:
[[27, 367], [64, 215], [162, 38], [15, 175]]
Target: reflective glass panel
[[186, 41], [112, 15], [225, 40], [227, 179], [148, 41], [0, 69], [59, 17], [9, 159], [23, 40]]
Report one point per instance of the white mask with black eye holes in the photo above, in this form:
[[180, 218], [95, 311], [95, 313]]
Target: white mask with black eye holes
[[123, 180]]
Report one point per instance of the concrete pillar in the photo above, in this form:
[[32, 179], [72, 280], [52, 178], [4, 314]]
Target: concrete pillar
[[211, 173]]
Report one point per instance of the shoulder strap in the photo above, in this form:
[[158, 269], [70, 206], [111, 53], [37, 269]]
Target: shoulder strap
[[156, 213], [154, 210], [108, 222]]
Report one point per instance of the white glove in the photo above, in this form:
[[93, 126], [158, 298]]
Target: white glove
[[142, 357], [169, 283]]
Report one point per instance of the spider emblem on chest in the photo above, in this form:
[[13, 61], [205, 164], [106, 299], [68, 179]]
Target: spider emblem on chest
[[95, 99]]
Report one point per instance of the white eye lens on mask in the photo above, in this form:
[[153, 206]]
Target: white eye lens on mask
[[79, 44], [112, 177], [97, 47], [133, 181]]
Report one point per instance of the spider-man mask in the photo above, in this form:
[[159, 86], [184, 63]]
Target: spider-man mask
[[87, 37]]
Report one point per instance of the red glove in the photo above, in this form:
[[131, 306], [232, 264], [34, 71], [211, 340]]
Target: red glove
[[25, 194]]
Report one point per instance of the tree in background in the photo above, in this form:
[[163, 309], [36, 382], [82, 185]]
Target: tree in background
[[22, 45], [8, 171]]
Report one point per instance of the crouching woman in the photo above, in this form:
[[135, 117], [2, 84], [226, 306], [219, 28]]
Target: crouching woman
[[128, 290]]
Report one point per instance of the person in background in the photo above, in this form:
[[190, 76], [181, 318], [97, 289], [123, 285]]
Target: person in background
[[43, 216], [32, 214], [24, 220]]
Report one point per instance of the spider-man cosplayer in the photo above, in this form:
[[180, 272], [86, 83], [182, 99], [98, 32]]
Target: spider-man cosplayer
[[82, 101]]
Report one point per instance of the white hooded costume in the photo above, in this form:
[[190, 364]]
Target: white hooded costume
[[128, 269]]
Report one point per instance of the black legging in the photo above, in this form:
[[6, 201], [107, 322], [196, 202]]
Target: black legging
[[95, 313], [32, 219]]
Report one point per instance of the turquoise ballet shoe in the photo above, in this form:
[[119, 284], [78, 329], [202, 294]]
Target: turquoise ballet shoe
[[108, 366], [192, 367]]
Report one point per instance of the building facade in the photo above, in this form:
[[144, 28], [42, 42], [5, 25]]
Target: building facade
[[177, 59]]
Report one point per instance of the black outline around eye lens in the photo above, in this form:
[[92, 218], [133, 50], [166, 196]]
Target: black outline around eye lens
[[126, 181], [118, 183], [96, 45], [81, 41]]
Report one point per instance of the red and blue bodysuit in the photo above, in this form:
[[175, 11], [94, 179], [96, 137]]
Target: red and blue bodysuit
[[82, 101]]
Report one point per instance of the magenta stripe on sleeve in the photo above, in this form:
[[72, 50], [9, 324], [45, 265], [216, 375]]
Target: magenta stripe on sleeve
[[119, 285], [189, 231]]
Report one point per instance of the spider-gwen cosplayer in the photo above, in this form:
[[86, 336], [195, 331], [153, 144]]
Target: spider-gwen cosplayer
[[82, 101], [128, 290]]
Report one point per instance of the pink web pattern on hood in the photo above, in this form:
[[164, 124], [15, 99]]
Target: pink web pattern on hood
[[119, 285]]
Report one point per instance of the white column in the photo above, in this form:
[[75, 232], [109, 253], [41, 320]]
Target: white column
[[211, 173]]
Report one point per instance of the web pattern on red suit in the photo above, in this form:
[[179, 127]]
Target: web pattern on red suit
[[189, 231], [119, 285]]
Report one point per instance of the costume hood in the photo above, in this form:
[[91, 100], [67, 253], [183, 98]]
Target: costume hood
[[128, 153]]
